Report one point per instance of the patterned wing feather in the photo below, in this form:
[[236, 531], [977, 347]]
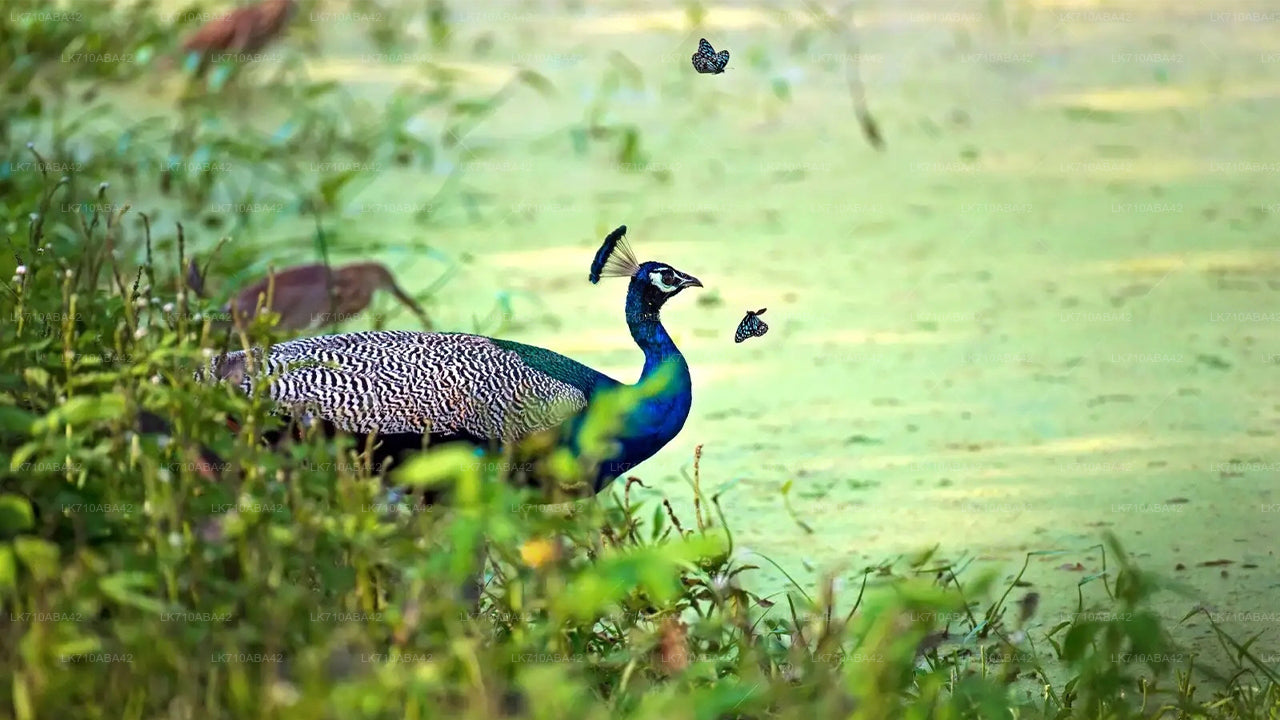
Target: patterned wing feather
[[411, 382]]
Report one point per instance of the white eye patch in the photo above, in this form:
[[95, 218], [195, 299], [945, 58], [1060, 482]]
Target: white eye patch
[[656, 278]]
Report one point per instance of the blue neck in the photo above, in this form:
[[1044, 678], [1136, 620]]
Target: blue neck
[[655, 421], [648, 332]]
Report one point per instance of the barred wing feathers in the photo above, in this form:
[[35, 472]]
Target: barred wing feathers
[[412, 382]]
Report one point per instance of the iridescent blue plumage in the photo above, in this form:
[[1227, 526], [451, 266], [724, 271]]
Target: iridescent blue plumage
[[614, 258], [413, 389], [656, 420]]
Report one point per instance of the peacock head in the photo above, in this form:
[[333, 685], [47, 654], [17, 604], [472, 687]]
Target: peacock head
[[659, 282], [655, 282]]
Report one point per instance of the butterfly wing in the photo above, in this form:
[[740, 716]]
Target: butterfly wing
[[751, 326], [722, 59], [705, 60]]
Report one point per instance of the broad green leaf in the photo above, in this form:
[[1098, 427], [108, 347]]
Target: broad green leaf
[[81, 410], [655, 569], [120, 588], [437, 466], [39, 556], [1143, 629], [727, 698], [79, 646], [15, 514], [14, 420], [22, 455], [1077, 641], [608, 410]]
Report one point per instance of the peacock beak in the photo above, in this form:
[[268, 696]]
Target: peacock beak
[[690, 281]]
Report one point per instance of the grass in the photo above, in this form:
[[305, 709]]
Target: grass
[[138, 582]]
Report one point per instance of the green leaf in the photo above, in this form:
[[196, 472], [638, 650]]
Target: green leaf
[[120, 587], [1143, 629], [438, 466], [315, 90], [472, 107], [40, 557], [537, 82], [727, 699], [81, 410], [22, 703], [609, 409], [22, 455], [15, 420], [15, 514], [332, 185], [79, 646], [1078, 639], [655, 569], [563, 467], [8, 569]]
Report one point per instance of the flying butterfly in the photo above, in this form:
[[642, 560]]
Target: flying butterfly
[[751, 326], [707, 60]]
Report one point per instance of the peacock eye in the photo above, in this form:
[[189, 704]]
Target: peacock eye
[[668, 277]]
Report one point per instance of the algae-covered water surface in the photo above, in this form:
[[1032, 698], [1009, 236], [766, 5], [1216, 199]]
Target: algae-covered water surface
[[1047, 307]]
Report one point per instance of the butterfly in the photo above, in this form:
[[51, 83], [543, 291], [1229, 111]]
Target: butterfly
[[707, 60], [751, 326]]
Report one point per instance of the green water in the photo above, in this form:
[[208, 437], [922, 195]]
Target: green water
[[1047, 309]]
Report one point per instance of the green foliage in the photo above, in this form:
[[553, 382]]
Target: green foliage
[[288, 586]]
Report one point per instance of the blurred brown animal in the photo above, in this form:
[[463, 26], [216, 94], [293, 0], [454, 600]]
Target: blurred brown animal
[[301, 295], [672, 652], [245, 30]]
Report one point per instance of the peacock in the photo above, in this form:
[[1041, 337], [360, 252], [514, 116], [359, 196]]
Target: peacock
[[409, 389]]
